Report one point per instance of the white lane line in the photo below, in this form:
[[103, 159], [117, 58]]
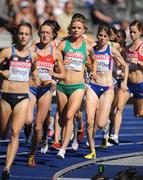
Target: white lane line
[[22, 153], [69, 169], [122, 135], [30, 177], [7, 140], [122, 144]]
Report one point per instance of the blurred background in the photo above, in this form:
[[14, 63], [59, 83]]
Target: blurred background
[[117, 12]]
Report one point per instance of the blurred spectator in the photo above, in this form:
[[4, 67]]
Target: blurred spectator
[[26, 13], [12, 9], [40, 7], [58, 6], [47, 14], [102, 12], [65, 17], [3, 10], [89, 3], [125, 26], [3, 22]]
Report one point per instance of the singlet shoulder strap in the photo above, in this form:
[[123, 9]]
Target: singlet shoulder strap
[[108, 48], [51, 49], [67, 45], [84, 44], [30, 55], [139, 46], [13, 50], [84, 47], [35, 48], [112, 44]]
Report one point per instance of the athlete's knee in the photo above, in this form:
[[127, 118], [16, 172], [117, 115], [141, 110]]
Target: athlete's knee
[[37, 129], [89, 117], [15, 133], [119, 109], [101, 124], [90, 124], [69, 116], [28, 123]]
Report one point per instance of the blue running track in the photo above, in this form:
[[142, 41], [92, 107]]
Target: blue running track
[[48, 167]]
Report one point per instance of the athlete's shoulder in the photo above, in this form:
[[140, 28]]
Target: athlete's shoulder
[[6, 53]]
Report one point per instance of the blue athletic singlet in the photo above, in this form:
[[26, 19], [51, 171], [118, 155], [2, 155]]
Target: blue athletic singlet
[[104, 59], [19, 67]]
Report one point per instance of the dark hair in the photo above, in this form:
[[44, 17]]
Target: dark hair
[[23, 23], [123, 34], [78, 17], [138, 24], [104, 27], [53, 24], [68, 2], [113, 28], [14, 29]]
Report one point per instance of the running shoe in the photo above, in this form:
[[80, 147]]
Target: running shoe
[[92, 155], [55, 145], [50, 132], [113, 140], [31, 161], [87, 143], [80, 134], [72, 136], [5, 174], [75, 145], [44, 146], [61, 154]]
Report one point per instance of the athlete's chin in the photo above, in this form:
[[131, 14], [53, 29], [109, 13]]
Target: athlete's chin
[[102, 43], [46, 41], [76, 36], [133, 39], [24, 43]]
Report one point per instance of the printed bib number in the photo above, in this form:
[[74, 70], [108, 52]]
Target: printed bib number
[[103, 65], [132, 61], [43, 74], [74, 64], [19, 71], [43, 68]]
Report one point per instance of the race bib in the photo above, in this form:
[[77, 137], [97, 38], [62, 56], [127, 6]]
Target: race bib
[[132, 60], [103, 65], [43, 68], [43, 74], [102, 62], [73, 61], [19, 71]]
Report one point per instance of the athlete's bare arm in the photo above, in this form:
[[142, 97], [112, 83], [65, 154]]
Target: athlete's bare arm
[[115, 53], [34, 69], [93, 60], [59, 59]]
